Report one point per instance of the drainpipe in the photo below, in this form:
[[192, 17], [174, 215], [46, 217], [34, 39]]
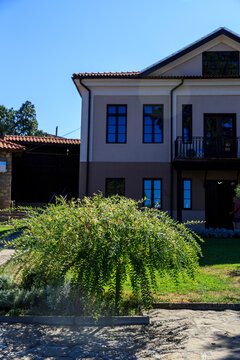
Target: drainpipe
[[171, 147], [88, 135]]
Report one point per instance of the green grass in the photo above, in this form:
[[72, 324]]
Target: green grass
[[217, 281], [4, 228], [220, 251]]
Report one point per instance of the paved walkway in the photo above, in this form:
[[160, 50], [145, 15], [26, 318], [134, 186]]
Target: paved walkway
[[172, 335]]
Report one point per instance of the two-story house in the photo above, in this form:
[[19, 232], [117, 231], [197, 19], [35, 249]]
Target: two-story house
[[169, 133]]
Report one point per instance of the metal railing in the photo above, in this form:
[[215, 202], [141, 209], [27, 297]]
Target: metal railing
[[200, 147]]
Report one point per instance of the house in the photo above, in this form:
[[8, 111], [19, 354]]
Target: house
[[7, 150], [169, 133], [48, 167]]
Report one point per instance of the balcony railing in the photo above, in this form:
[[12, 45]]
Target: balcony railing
[[201, 148]]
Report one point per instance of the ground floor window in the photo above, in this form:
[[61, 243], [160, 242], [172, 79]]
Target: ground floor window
[[187, 194], [115, 186], [152, 192]]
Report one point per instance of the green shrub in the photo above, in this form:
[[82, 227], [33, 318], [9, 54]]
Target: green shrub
[[21, 299], [98, 244], [6, 282]]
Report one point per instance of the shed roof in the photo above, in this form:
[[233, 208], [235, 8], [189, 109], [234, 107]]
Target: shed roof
[[42, 140]]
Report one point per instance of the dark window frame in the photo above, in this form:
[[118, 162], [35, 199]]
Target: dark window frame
[[152, 194], [153, 133], [115, 179], [183, 137], [186, 179], [204, 71], [117, 115]]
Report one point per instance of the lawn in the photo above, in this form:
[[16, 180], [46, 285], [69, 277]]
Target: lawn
[[4, 228], [218, 280]]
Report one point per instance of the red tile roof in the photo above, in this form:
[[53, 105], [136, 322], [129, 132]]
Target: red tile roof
[[6, 145], [41, 139], [106, 74]]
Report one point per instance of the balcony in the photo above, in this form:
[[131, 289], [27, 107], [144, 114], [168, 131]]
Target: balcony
[[207, 148]]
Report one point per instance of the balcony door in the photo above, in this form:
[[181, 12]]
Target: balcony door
[[220, 135]]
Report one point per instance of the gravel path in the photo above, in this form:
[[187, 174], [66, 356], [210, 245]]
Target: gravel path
[[172, 335], [5, 255]]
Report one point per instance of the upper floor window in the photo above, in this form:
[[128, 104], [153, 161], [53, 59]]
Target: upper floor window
[[221, 63], [187, 123], [152, 123], [152, 191], [115, 186], [116, 123]]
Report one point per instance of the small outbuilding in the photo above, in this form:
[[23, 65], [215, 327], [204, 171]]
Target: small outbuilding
[[7, 151], [48, 167]]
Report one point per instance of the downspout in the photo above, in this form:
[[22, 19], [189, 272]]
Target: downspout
[[88, 135], [171, 147]]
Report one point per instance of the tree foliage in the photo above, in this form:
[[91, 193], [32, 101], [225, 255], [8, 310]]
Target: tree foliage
[[100, 243], [19, 122], [237, 191]]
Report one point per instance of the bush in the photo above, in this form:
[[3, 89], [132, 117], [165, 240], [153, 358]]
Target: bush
[[98, 244], [6, 282], [21, 299]]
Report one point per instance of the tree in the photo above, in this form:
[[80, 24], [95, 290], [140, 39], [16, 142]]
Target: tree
[[7, 118], [19, 122], [237, 191], [100, 243]]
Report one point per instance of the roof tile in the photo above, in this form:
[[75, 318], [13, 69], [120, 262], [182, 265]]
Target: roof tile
[[6, 145], [42, 140], [106, 74]]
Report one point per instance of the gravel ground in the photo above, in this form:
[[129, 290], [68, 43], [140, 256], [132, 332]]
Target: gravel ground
[[172, 335], [5, 255]]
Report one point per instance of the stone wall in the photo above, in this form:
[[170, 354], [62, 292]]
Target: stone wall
[[5, 181]]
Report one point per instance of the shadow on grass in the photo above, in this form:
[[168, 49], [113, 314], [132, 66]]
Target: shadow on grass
[[220, 251]]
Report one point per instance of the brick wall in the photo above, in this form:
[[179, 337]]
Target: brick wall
[[5, 181]]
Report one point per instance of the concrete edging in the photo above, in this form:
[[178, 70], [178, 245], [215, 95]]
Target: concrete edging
[[197, 306], [77, 320]]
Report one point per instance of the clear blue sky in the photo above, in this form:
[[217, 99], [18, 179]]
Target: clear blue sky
[[43, 42]]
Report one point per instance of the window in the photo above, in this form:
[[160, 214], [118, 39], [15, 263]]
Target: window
[[221, 63], [187, 123], [115, 187], [152, 191], [187, 194], [116, 124], [152, 123]]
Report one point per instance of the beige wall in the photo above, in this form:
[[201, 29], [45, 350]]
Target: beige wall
[[134, 150], [192, 66], [5, 181], [134, 173]]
